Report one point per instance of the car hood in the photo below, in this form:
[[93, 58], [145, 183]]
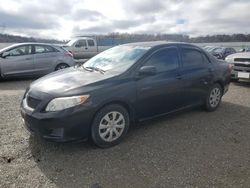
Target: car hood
[[239, 55], [64, 81]]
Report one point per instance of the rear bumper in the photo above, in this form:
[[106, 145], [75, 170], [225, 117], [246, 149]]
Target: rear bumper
[[69, 125]]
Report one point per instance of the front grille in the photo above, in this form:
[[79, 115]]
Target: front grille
[[242, 59], [32, 102], [240, 70], [241, 65]]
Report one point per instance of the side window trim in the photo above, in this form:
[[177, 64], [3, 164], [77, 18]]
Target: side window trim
[[163, 48], [205, 56]]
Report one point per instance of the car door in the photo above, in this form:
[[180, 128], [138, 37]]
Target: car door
[[45, 58], [20, 61], [197, 74], [92, 48], [81, 49], [160, 93]]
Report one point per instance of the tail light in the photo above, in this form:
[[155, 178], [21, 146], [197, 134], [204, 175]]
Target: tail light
[[68, 53]]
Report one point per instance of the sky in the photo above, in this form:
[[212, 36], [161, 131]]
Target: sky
[[64, 19]]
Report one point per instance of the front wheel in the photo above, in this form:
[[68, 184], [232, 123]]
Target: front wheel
[[110, 125], [214, 98]]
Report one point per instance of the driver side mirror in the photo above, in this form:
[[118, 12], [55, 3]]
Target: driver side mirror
[[5, 54], [147, 71]]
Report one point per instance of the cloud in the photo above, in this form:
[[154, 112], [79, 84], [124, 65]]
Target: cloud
[[85, 14], [22, 21], [108, 26], [145, 6], [63, 19]]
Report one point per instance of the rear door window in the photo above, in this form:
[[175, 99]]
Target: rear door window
[[192, 58], [39, 49]]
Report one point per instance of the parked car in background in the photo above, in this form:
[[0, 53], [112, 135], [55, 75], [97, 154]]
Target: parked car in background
[[128, 83], [84, 47], [246, 49], [220, 52], [241, 65], [33, 59]]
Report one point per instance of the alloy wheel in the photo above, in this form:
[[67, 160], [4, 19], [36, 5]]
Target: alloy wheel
[[215, 96], [111, 126]]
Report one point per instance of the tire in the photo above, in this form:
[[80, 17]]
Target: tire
[[105, 132], [61, 66], [213, 98]]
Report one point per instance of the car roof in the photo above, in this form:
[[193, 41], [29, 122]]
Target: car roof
[[157, 43], [34, 43], [28, 43]]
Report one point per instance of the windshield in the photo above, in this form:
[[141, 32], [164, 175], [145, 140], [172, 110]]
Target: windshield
[[118, 58], [71, 42], [7, 48]]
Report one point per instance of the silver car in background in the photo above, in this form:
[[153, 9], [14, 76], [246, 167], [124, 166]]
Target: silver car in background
[[33, 59]]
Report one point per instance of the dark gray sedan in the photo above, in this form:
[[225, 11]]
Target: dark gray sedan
[[33, 59]]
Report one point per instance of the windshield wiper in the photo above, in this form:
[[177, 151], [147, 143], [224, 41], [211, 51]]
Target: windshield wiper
[[94, 69]]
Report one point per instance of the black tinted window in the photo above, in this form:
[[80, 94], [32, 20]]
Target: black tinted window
[[164, 60], [191, 57], [91, 43]]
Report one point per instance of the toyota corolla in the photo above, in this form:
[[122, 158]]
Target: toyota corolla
[[121, 86]]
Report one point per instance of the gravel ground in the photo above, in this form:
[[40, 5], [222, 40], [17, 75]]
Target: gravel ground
[[189, 149]]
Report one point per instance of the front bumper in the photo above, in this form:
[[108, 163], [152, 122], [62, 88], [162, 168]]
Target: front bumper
[[68, 125], [241, 68], [235, 73]]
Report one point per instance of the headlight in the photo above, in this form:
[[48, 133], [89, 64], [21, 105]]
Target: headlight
[[229, 60], [62, 103]]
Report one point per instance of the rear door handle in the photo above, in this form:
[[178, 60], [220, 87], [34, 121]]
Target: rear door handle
[[28, 58]]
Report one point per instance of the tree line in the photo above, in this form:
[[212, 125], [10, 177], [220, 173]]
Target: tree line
[[120, 38]]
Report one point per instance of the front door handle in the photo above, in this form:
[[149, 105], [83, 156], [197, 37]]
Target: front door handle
[[28, 58]]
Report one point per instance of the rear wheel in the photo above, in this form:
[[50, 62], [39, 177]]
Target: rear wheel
[[214, 97], [61, 66], [110, 125]]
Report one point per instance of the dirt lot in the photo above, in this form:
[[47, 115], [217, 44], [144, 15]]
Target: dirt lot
[[190, 149]]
